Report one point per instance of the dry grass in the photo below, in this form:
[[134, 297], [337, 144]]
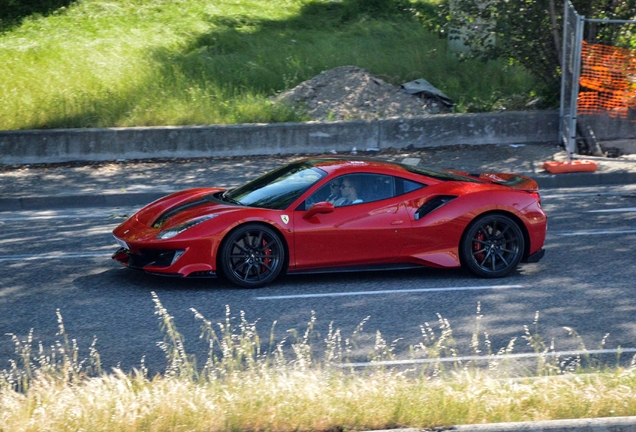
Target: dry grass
[[242, 389]]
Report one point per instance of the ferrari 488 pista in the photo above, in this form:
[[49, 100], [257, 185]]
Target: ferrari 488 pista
[[325, 214]]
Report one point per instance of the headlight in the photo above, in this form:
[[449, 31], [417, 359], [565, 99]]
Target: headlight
[[169, 233], [121, 243]]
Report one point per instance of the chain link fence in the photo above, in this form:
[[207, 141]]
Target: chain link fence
[[598, 78]]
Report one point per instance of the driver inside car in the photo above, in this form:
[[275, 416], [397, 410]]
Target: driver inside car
[[349, 191], [335, 195]]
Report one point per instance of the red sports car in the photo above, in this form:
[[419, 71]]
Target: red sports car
[[330, 213]]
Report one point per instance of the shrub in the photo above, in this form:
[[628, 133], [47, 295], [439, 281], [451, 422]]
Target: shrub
[[528, 32]]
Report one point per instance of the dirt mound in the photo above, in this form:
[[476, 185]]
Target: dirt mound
[[352, 93]]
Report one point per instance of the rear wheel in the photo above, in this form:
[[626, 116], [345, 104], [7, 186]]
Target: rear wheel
[[492, 246], [252, 256]]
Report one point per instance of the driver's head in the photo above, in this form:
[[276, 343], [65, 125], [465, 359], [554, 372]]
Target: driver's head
[[349, 189], [334, 187]]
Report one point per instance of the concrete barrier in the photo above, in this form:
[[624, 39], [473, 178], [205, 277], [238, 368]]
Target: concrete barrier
[[64, 145], [488, 128], [608, 128], [613, 131]]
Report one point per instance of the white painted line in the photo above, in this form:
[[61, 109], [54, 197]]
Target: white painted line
[[63, 216], [592, 233], [49, 217], [585, 192], [382, 292], [548, 195], [616, 210], [54, 255], [487, 358]]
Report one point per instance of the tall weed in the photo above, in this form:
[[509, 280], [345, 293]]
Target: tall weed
[[292, 386]]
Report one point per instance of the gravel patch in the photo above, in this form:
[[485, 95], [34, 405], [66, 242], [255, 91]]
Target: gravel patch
[[352, 93]]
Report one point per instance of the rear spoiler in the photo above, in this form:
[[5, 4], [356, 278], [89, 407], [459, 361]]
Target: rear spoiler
[[514, 181]]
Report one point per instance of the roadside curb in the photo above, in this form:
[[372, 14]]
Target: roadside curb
[[606, 424]]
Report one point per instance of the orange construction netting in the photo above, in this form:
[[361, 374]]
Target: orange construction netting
[[608, 80]]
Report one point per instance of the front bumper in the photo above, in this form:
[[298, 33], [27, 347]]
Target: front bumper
[[535, 257], [147, 257], [161, 262]]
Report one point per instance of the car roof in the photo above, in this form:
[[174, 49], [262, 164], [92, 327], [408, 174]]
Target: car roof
[[342, 165], [330, 163]]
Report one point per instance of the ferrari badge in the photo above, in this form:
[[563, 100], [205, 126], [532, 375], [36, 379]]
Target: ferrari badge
[[285, 219]]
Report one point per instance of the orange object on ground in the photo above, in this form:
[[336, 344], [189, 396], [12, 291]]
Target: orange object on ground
[[554, 167]]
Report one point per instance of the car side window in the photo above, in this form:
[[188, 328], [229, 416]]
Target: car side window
[[353, 189], [329, 192], [404, 186], [379, 187]]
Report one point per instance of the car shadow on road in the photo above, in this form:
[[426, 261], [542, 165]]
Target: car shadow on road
[[128, 280], [403, 278], [125, 279]]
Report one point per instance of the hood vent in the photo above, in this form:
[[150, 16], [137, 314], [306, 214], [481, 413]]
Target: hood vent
[[176, 210]]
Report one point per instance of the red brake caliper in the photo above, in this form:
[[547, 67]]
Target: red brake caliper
[[267, 261], [479, 246]]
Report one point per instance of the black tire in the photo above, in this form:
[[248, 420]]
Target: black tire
[[252, 255], [492, 246]]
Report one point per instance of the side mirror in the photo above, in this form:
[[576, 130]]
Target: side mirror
[[322, 207]]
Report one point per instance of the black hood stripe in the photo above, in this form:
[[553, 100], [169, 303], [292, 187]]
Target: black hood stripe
[[178, 209]]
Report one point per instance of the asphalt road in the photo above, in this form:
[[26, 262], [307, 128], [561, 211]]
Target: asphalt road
[[52, 260]]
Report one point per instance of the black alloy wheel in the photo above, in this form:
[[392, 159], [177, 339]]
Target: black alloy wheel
[[252, 256], [492, 246]]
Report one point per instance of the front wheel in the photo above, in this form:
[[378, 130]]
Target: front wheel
[[252, 256], [492, 246]]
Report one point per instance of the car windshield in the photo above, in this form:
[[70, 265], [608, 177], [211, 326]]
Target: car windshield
[[279, 188]]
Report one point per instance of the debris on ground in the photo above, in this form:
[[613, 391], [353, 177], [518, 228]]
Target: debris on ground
[[424, 89], [352, 93]]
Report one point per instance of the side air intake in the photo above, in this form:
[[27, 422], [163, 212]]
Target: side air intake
[[433, 204]]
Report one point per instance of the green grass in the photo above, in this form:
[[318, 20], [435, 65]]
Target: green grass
[[104, 63], [241, 388]]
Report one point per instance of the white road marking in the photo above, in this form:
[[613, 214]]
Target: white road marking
[[50, 217], [487, 358], [578, 194], [593, 233], [381, 292], [585, 192], [114, 213], [54, 255], [616, 210]]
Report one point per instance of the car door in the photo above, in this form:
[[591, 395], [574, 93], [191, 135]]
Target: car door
[[369, 232]]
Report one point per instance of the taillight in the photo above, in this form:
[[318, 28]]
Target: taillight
[[536, 196]]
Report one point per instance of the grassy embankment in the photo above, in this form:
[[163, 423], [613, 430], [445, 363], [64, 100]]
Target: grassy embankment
[[102, 63], [241, 388]]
